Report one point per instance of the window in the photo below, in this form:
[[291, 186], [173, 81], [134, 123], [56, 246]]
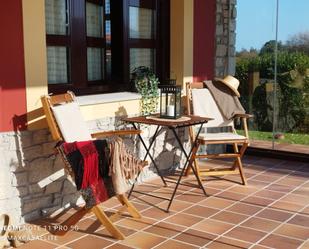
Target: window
[[93, 45], [141, 37]]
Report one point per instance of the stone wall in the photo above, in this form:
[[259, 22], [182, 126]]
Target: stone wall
[[225, 37], [32, 181], [27, 158]]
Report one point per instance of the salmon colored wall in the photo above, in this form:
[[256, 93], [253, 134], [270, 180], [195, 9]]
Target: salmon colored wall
[[193, 24], [181, 27], [204, 39], [35, 59], [188, 40], [12, 73], [176, 40]]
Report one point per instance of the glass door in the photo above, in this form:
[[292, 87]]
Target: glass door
[[273, 68]]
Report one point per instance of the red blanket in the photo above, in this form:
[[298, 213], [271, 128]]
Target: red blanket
[[86, 160]]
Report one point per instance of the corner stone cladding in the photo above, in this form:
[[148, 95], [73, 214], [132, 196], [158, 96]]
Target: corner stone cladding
[[225, 60], [29, 169], [26, 158]]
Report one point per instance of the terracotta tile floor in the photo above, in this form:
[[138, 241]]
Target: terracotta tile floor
[[272, 211]]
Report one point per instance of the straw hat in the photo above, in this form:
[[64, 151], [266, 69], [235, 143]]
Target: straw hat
[[230, 82]]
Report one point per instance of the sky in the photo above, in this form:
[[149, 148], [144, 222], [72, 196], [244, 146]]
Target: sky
[[256, 21]]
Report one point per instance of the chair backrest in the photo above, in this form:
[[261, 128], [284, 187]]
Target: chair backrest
[[64, 118], [200, 102]]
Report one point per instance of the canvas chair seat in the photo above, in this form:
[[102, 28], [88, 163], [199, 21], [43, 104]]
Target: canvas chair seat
[[66, 124], [221, 136], [201, 102]]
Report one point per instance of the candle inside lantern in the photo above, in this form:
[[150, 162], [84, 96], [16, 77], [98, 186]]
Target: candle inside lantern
[[170, 110]]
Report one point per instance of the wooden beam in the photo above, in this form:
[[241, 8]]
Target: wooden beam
[[228, 155], [115, 133], [114, 231], [230, 141], [131, 209], [216, 172]]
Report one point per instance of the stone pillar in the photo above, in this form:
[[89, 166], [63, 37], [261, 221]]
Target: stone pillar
[[225, 60]]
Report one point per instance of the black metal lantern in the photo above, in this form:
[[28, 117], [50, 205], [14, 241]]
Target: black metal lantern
[[170, 101]]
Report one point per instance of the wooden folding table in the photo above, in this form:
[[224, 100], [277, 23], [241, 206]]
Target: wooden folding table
[[173, 125]]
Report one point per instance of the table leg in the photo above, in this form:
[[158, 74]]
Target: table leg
[[148, 149], [186, 164], [147, 153]]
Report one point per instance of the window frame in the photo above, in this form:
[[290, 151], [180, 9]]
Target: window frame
[[77, 42]]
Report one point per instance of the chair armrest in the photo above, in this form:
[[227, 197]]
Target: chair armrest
[[244, 118], [245, 115], [115, 133]]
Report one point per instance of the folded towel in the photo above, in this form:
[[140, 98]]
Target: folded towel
[[227, 101], [123, 166]]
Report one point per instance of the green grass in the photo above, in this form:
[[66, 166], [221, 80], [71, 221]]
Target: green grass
[[291, 138]]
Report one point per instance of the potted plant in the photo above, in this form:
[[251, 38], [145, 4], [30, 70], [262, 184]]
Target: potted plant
[[146, 83]]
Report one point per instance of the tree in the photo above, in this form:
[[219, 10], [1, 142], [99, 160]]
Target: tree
[[244, 53], [292, 95], [299, 42], [269, 47]]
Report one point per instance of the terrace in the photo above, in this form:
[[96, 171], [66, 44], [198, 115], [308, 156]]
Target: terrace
[[271, 212], [48, 49]]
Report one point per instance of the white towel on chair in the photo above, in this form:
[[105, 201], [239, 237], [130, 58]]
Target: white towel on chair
[[204, 105], [71, 123]]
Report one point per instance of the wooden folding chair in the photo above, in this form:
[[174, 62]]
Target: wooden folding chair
[[230, 137], [48, 103]]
